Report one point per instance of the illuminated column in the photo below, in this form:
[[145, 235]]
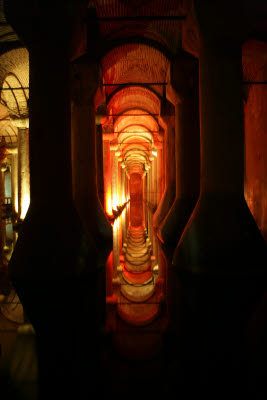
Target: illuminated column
[[116, 180], [114, 189], [107, 176], [144, 199], [159, 172], [113, 174], [184, 79], [2, 194], [11, 307], [154, 183], [14, 177], [85, 195], [123, 188], [99, 163], [149, 195], [23, 172], [169, 191], [21, 183]]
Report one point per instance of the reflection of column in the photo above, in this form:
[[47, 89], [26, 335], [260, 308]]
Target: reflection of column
[[123, 189], [149, 200], [116, 247]]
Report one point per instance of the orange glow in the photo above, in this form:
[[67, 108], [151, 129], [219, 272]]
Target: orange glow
[[116, 201], [108, 202]]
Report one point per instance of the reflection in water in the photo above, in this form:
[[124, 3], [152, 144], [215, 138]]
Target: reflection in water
[[136, 267]]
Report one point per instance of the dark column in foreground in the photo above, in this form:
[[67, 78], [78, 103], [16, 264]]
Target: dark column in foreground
[[184, 79], [54, 264], [169, 161], [218, 274], [85, 82]]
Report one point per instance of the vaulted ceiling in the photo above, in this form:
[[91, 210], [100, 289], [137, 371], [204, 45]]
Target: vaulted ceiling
[[135, 42]]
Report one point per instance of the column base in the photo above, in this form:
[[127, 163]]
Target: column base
[[173, 225], [209, 343], [163, 208], [221, 238]]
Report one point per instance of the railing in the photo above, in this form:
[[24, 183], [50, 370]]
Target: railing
[[7, 211]]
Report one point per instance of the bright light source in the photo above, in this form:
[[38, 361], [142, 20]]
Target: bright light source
[[154, 152], [109, 202], [25, 205]]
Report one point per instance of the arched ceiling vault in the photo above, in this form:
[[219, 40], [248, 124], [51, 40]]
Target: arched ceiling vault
[[134, 79], [14, 74], [117, 20]]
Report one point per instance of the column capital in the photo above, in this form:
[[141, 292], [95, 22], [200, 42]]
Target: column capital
[[183, 77], [85, 79], [219, 20], [108, 137], [21, 123], [42, 24]]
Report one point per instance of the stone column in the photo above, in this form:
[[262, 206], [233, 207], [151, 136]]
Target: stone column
[[168, 196], [159, 173], [123, 219], [107, 177], [23, 167], [221, 236], [54, 255], [2, 221], [85, 194], [148, 200], [219, 266], [14, 176], [153, 183], [113, 164], [184, 79], [99, 163]]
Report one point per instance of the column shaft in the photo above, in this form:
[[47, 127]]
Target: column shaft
[[221, 223], [168, 196], [23, 172], [99, 162], [14, 177], [107, 177], [84, 150], [187, 152]]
